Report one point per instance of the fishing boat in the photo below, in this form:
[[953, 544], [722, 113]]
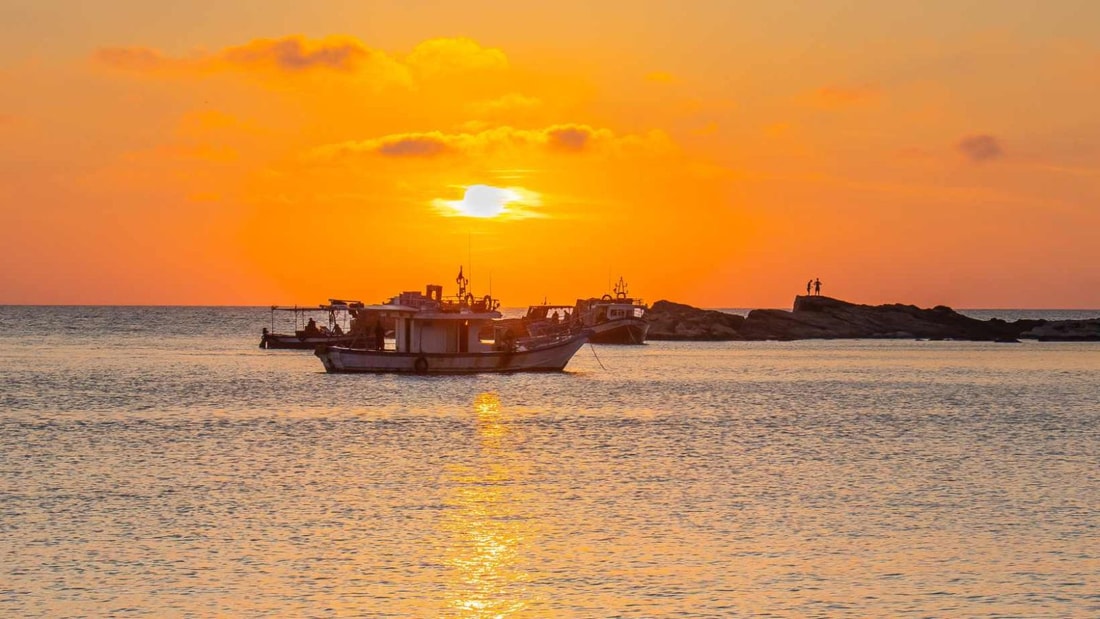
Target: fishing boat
[[618, 319], [434, 335], [307, 334]]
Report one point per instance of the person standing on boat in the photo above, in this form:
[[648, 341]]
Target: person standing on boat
[[379, 335]]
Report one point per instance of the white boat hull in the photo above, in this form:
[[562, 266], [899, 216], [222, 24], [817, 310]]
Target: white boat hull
[[549, 358]]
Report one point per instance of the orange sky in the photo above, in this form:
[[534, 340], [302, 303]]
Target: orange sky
[[714, 153]]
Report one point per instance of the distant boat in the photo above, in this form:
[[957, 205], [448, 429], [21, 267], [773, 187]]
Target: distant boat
[[433, 335], [611, 320], [307, 333]]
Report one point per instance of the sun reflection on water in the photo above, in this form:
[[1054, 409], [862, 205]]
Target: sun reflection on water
[[486, 524]]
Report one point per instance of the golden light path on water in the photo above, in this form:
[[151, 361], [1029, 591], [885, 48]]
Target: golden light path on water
[[485, 522]]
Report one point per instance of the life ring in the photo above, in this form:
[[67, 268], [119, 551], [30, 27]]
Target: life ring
[[421, 365], [607, 297], [469, 299]]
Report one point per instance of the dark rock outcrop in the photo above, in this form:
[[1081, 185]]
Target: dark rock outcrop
[[676, 321], [1065, 331], [828, 318], [825, 317]]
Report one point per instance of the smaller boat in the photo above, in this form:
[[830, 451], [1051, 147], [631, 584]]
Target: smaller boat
[[433, 335], [307, 333], [617, 319]]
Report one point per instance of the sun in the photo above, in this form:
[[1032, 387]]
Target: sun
[[486, 201]]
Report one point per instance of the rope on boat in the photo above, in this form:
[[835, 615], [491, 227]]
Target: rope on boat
[[593, 349]]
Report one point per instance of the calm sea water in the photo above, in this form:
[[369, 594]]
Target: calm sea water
[[155, 462]]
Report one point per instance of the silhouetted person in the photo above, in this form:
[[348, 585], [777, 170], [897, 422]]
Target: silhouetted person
[[379, 335], [311, 327], [554, 317], [809, 285], [817, 287]]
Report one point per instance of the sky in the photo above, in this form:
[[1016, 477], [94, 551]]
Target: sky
[[719, 154]]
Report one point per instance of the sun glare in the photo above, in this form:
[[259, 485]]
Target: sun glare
[[486, 201]]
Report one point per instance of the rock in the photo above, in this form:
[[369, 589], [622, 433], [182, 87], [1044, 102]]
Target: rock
[[825, 317], [828, 318], [676, 321], [1066, 331]]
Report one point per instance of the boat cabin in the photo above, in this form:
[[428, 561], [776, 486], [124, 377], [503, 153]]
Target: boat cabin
[[427, 323]]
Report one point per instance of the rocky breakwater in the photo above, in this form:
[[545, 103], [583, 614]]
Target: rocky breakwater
[[1065, 331], [817, 317], [676, 321]]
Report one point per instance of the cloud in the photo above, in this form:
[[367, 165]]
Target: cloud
[[834, 97], [573, 138], [454, 55], [296, 54], [413, 145], [511, 102], [568, 138], [980, 148]]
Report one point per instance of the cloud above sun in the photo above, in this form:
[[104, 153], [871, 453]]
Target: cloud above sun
[[567, 138], [486, 201], [296, 54], [980, 148]]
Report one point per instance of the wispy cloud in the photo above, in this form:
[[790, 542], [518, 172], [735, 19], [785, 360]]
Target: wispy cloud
[[569, 138], [296, 54], [504, 104], [980, 148]]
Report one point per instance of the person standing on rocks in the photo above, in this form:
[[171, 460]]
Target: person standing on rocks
[[817, 286], [809, 284]]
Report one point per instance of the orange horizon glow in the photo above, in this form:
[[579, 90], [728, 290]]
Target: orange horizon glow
[[710, 154]]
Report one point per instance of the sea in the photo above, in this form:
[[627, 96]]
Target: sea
[[155, 462]]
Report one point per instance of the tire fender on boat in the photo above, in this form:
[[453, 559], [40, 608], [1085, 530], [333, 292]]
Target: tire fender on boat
[[421, 365], [607, 297]]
